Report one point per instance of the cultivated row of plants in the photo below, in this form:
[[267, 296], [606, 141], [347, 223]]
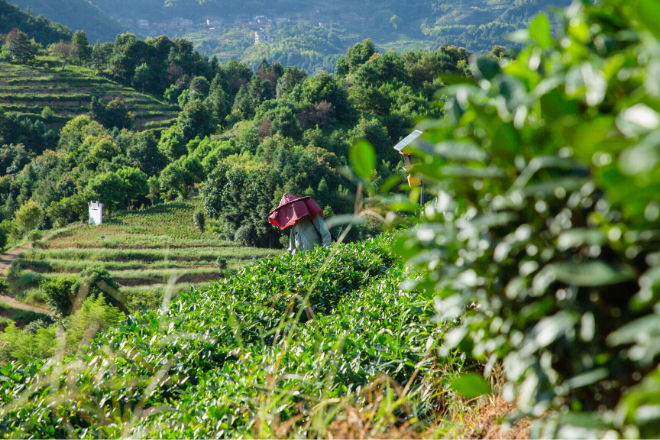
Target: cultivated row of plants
[[277, 349]]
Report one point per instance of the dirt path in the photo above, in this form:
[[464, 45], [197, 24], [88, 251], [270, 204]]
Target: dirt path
[[5, 262]]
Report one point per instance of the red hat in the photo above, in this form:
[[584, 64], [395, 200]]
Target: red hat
[[292, 209]]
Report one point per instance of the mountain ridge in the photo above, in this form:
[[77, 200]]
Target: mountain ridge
[[77, 15]]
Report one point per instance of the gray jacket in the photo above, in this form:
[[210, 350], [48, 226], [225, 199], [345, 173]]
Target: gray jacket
[[306, 233]]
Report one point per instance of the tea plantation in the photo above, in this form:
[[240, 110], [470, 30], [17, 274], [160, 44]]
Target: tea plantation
[[144, 251], [272, 351], [67, 91]]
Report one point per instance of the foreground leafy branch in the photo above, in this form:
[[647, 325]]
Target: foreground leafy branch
[[543, 235]]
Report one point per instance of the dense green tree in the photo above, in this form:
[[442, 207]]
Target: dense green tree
[[260, 90], [113, 114], [118, 115], [172, 143], [154, 189], [196, 119], [144, 153], [357, 55], [200, 87], [142, 76], [237, 75], [127, 54], [28, 215], [325, 88], [372, 131], [19, 47], [101, 54], [218, 100], [77, 130], [239, 193], [68, 209], [290, 78], [244, 104], [181, 175], [136, 184], [81, 51], [103, 150], [108, 188]]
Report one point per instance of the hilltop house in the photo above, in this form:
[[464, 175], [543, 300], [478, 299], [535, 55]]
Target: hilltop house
[[260, 37]]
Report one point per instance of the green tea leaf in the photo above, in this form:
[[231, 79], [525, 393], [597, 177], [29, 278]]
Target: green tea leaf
[[648, 12], [363, 159], [539, 30], [471, 385], [591, 273]]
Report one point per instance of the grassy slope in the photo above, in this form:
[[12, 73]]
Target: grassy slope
[[142, 249], [68, 92]]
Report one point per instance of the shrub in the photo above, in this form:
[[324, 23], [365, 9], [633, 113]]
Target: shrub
[[25, 346], [28, 215], [35, 235], [221, 263], [47, 114], [547, 204], [4, 286], [94, 316], [3, 238], [59, 295], [199, 221], [95, 281]]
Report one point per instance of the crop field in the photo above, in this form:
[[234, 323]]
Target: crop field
[[144, 251], [241, 352], [28, 89]]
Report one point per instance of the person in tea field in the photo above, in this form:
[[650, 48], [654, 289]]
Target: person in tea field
[[306, 217]]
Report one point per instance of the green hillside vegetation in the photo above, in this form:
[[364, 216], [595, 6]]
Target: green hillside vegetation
[[78, 15], [530, 273], [310, 48], [269, 344], [476, 25], [244, 137], [67, 91], [144, 251], [40, 28]]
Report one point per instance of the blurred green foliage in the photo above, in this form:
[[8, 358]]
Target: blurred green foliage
[[543, 236]]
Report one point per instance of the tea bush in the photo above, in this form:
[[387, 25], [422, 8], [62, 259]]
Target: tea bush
[[543, 236], [280, 341]]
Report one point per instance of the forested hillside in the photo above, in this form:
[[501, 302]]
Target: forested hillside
[[78, 15], [40, 28], [246, 136], [310, 34]]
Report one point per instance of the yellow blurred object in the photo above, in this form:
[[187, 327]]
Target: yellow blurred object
[[414, 181]]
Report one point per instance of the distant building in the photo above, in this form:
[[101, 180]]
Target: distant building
[[260, 17], [181, 22], [260, 37], [143, 23], [95, 213]]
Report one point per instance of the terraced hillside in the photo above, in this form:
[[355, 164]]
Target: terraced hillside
[[68, 92], [144, 251]]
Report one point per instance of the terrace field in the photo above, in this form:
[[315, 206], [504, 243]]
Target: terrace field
[[144, 251], [68, 92]]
